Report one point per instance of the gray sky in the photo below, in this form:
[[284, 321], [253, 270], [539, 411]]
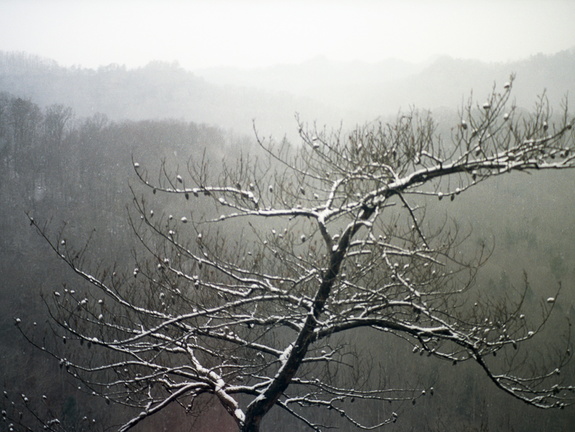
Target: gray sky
[[249, 33]]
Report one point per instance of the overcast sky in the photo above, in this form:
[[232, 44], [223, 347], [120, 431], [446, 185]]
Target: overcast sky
[[252, 33]]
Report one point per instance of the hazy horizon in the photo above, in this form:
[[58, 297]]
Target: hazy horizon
[[254, 33]]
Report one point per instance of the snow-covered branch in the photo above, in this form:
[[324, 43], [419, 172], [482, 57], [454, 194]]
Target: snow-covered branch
[[302, 251]]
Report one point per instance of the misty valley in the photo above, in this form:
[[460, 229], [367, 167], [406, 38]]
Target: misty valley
[[385, 247]]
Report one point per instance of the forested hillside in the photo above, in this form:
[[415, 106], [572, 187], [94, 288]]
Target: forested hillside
[[158, 90], [320, 90], [69, 139], [74, 174]]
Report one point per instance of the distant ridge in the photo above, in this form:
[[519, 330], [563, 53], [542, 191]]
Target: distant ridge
[[382, 88], [319, 90]]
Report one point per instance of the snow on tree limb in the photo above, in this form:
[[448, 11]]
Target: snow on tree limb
[[334, 241]]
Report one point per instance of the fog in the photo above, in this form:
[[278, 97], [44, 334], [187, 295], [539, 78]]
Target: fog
[[329, 61], [88, 87], [258, 33]]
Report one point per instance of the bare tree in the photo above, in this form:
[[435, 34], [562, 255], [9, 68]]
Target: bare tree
[[260, 305]]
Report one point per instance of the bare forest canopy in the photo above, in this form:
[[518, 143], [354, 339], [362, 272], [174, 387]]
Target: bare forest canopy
[[78, 173], [68, 142]]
